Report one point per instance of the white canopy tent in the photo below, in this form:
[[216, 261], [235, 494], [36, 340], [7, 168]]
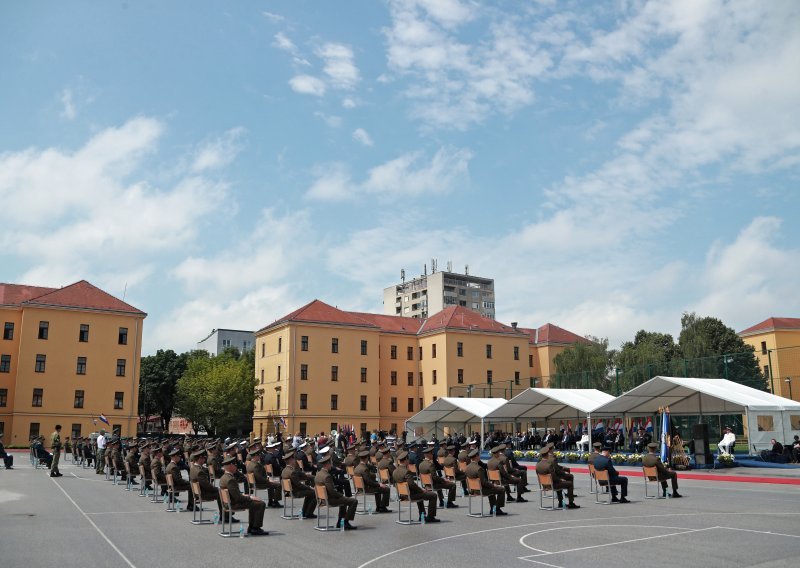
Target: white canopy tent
[[551, 404], [454, 411], [766, 415]]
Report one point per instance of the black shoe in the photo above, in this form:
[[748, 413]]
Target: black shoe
[[258, 531], [573, 506], [451, 506], [53, 475], [500, 513], [521, 500], [349, 527], [134, 483], [275, 505], [676, 495], [615, 500], [432, 520], [441, 504], [623, 500], [311, 516]]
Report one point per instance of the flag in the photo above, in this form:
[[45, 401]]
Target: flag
[[665, 430], [569, 424], [561, 427], [104, 420], [649, 426], [619, 424], [599, 425]]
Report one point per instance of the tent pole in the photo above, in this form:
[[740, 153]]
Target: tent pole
[[483, 437], [747, 421], [700, 405], [591, 432]]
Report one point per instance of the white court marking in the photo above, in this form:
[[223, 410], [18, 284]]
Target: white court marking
[[91, 522], [594, 519]]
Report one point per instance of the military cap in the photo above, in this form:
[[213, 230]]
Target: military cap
[[551, 445], [289, 455], [232, 446], [228, 460], [427, 450], [363, 454], [198, 454], [157, 449], [597, 445], [175, 452], [211, 446], [303, 445], [652, 446], [402, 456], [473, 453], [450, 447], [545, 450], [324, 458], [253, 453], [257, 440], [324, 450], [254, 444], [273, 445]]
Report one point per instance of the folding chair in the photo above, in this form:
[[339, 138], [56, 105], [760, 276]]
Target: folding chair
[[252, 490], [227, 513], [288, 501], [155, 498], [361, 494], [546, 491], [198, 504], [494, 477], [107, 462], [34, 459], [450, 474], [322, 501], [351, 473], [427, 481], [603, 487], [386, 479], [404, 494], [474, 489], [128, 477], [143, 482], [592, 480], [212, 475], [270, 471], [171, 508], [650, 478], [413, 469]]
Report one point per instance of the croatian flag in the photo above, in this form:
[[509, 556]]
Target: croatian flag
[[619, 424], [665, 430], [649, 426], [599, 425], [103, 419]]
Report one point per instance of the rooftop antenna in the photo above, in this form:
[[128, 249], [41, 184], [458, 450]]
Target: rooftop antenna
[[449, 266], [403, 275], [425, 269], [125, 292], [466, 270], [433, 266]]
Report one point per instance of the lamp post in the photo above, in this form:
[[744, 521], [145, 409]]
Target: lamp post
[[727, 359], [788, 381]]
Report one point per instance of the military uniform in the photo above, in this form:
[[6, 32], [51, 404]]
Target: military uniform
[[262, 480], [55, 446], [547, 465], [255, 507], [299, 489], [496, 494], [347, 505], [428, 467], [653, 460], [367, 473], [199, 474], [178, 482], [401, 474]]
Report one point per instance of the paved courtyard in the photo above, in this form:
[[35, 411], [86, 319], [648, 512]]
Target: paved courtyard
[[82, 520]]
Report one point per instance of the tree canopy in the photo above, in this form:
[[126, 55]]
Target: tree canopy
[[158, 379], [584, 365]]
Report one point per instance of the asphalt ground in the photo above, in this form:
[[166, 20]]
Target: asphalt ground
[[82, 520]]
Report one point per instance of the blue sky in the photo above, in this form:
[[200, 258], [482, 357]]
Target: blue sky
[[610, 164]]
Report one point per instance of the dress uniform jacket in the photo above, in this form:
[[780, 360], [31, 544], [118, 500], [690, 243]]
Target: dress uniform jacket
[[427, 466], [200, 474], [298, 479], [387, 463], [335, 498], [241, 502], [177, 479], [260, 474], [451, 461], [146, 462], [157, 471]]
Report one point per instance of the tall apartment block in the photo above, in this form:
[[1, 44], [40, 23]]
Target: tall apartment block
[[431, 293]]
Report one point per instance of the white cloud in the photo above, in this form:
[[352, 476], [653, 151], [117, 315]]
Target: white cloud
[[68, 110], [219, 152], [284, 43], [272, 17], [307, 85], [339, 66], [408, 174], [362, 137], [348, 102], [331, 120]]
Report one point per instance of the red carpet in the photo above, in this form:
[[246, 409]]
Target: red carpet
[[705, 476]]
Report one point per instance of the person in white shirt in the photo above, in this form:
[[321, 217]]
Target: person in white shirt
[[101, 450], [583, 445], [727, 442]]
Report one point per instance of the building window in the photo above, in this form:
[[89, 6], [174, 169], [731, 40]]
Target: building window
[[120, 367], [363, 402], [303, 401], [516, 377], [335, 345], [78, 399], [420, 378], [334, 425], [83, 334], [394, 378], [5, 363], [393, 404], [262, 376], [364, 429], [489, 377], [420, 352], [264, 349], [122, 338], [304, 343], [41, 361], [530, 360], [763, 347], [433, 351], [261, 403], [459, 349], [435, 398], [411, 405], [44, 328], [393, 352], [488, 351], [421, 403], [8, 330], [3, 397], [766, 371], [33, 432], [303, 429], [363, 346], [303, 372], [410, 354], [460, 376], [38, 395], [76, 430], [434, 377], [410, 379], [516, 353], [363, 374], [226, 343], [118, 400], [81, 368], [334, 373], [334, 402]]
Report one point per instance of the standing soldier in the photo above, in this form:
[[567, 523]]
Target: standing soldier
[[55, 445]]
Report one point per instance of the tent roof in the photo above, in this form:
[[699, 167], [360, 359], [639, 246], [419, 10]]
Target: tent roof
[[688, 395], [453, 410], [550, 403]]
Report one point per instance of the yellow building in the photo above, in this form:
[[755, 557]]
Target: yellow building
[[777, 345], [67, 355], [320, 367]]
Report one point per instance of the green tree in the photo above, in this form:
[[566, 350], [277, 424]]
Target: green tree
[[649, 354], [713, 349], [159, 376], [217, 393], [584, 365]]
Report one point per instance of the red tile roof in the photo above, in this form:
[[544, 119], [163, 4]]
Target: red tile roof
[[772, 324], [549, 333], [83, 295], [459, 317], [320, 312], [78, 295], [15, 294], [392, 324]]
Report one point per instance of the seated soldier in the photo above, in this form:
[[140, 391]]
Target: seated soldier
[[653, 460], [401, 474], [428, 466], [255, 467], [450, 461], [603, 463], [198, 472], [178, 482], [560, 477], [496, 493], [255, 506], [367, 473], [299, 480], [347, 505]]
